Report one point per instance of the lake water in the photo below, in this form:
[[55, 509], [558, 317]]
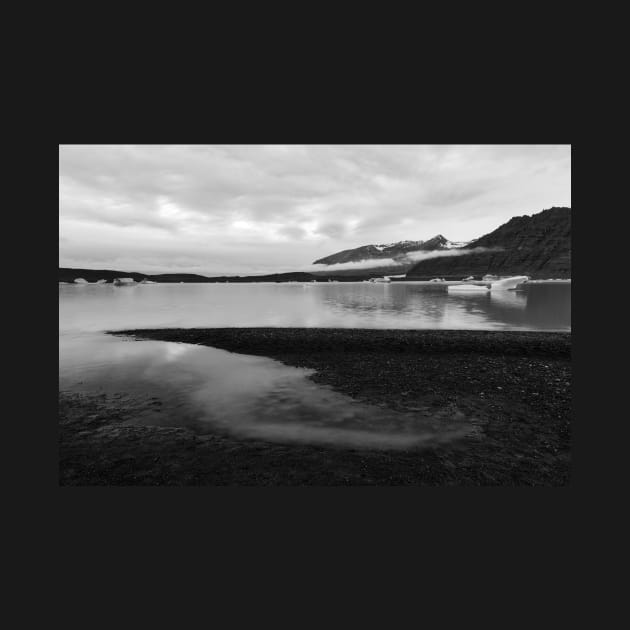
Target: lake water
[[212, 390], [345, 305]]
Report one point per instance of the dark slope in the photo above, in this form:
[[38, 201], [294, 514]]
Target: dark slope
[[538, 246], [67, 274], [92, 275], [376, 252]]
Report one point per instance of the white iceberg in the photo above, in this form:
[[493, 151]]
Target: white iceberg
[[506, 284]]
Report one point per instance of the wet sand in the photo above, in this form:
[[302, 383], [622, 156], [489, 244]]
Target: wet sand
[[517, 386]]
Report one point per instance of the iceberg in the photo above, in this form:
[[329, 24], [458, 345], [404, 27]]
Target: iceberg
[[506, 284]]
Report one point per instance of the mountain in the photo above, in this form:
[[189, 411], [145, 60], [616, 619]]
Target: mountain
[[538, 246], [397, 251], [67, 274]]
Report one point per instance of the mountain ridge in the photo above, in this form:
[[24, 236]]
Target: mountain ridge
[[537, 245], [396, 251], [69, 275]]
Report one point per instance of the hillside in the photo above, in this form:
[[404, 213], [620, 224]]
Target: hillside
[[92, 275], [396, 251], [538, 246], [67, 274]]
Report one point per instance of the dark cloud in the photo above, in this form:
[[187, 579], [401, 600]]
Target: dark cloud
[[333, 229], [451, 198], [293, 231]]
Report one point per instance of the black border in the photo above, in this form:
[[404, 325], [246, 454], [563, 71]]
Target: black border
[[349, 522]]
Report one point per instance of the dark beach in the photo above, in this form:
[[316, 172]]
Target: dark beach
[[517, 386]]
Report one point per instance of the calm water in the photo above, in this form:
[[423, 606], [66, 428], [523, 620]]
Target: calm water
[[344, 305], [212, 390], [207, 389]]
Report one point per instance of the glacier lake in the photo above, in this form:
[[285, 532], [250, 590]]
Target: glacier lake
[[211, 390], [409, 305]]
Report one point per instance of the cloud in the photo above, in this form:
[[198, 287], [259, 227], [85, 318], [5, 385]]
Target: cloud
[[411, 257], [282, 206], [293, 231], [418, 256], [334, 229]]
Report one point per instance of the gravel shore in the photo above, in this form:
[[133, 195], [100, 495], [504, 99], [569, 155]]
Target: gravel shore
[[517, 385]]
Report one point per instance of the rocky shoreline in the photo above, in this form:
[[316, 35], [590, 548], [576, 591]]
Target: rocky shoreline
[[517, 385]]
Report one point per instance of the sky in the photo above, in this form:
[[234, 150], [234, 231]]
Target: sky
[[257, 209]]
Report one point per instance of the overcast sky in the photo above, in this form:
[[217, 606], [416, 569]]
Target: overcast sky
[[240, 209]]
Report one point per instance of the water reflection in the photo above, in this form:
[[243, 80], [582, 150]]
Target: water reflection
[[536, 307], [213, 390], [361, 305], [207, 389], [401, 305]]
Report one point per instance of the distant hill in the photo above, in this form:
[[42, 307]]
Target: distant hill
[[396, 251], [538, 246], [67, 274], [92, 275]]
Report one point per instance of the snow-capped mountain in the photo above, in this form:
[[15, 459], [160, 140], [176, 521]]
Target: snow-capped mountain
[[394, 251]]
